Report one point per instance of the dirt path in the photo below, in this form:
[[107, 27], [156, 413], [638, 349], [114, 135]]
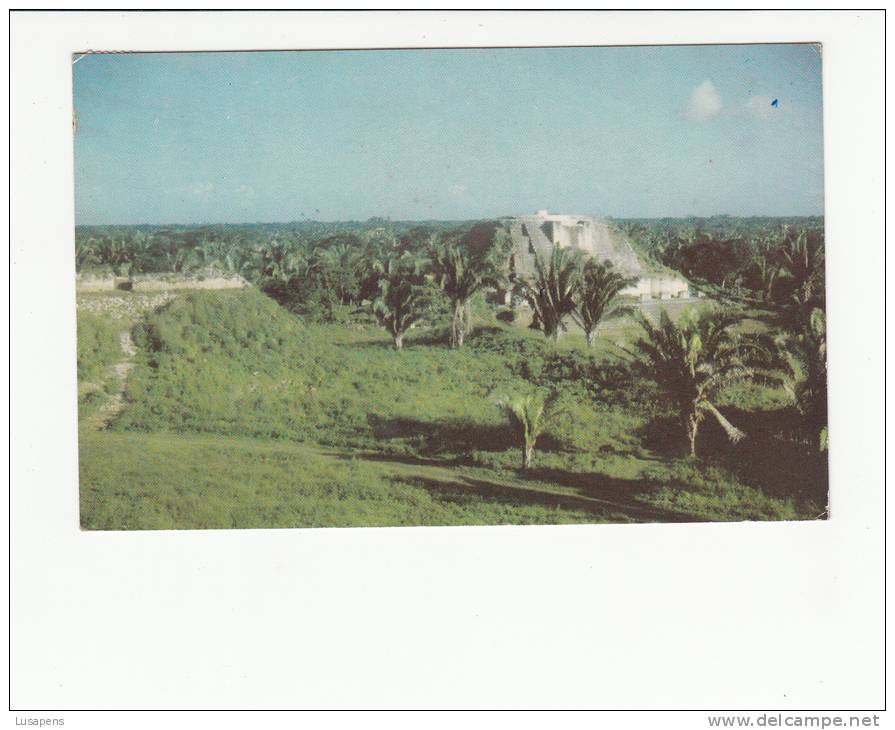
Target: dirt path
[[109, 411]]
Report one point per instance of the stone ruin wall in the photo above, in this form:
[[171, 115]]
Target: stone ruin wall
[[169, 282], [157, 282], [92, 282]]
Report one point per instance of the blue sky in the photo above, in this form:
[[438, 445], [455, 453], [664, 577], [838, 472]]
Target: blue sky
[[448, 134]]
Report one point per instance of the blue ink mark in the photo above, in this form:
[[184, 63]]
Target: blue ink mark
[[775, 103]]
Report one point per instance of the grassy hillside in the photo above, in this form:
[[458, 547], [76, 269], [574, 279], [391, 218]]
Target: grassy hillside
[[238, 414], [98, 351]]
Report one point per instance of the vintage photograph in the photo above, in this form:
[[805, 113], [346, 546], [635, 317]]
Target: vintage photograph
[[472, 286]]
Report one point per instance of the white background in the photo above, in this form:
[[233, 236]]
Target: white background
[[763, 616]]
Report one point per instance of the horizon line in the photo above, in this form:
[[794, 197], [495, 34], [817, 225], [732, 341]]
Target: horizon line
[[442, 220]]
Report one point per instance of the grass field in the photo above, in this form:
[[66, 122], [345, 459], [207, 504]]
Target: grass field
[[238, 414]]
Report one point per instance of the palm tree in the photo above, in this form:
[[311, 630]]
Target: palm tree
[[235, 257], [86, 253], [530, 415], [465, 266], [403, 297], [281, 260], [599, 286], [694, 360], [786, 280], [551, 293], [113, 252], [802, 279], [339, 266], [181, 260], [804, 359], [202, 256]]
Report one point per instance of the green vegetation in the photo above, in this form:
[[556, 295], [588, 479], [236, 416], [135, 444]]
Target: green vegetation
[[176, 481], [598, 291], [529, 416], [771, 270], [804, 356], [720, 251], [98, 347], [464, 265], [404, 297], [287, 405], [692, 361], [241, 415], [98, 351], [552, 291]]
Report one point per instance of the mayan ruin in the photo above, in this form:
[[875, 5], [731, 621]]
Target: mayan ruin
[[537, 234]]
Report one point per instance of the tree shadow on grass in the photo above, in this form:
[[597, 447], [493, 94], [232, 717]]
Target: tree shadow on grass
[[430, 337], [775, 456], [772, 457], [436, 337], [452, 438], [408, 459], [607, 499], [623, 494]]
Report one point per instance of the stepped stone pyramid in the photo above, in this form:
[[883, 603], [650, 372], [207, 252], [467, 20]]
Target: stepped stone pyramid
[[537, 235]]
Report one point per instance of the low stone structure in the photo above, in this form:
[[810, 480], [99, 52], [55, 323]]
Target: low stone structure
[[168, 282], [98, 282], [210, 279], [125, 306], [659, 286]]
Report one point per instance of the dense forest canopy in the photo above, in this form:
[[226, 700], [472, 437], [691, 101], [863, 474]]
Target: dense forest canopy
[[693, 246], [314, 267], [721, 250]]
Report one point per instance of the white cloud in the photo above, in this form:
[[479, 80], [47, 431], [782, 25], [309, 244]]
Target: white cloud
[[705, 102], [246, 190], [458, 190]]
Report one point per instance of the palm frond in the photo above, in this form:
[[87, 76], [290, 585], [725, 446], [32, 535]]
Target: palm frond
[[733, 433]]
